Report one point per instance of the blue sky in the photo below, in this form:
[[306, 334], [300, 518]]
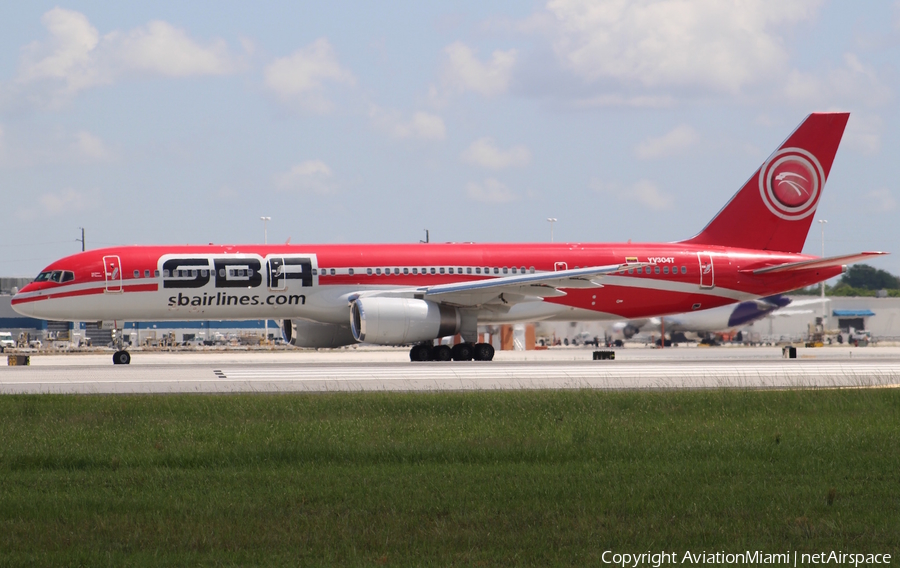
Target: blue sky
[[174, 122]]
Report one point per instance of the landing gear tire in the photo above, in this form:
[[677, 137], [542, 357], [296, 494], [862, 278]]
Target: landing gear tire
[[462, 352], [441, 353], [483, 352], [420, 353], [121, 358]]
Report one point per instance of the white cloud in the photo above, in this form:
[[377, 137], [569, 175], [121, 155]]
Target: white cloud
[[68, 55], [422, 125], [490, 191], [853, 82], [75, 57], [671, 143], [675, 43], [485, 153], [863, 132], [882, 200], [90, 147], [638, 101], [643, 191], [163, 49], [309, 176], [66, 201], [464, 72], [301, 77]]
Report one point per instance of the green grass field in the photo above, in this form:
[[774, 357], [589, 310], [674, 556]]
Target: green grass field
[[495, 478]]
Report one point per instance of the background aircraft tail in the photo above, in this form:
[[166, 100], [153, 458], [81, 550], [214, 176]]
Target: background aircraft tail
[[774, 209]]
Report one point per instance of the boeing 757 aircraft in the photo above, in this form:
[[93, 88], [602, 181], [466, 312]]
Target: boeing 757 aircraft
[[394, 294]]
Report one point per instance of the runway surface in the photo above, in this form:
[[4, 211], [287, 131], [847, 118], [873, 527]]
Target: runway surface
[[390, 370]]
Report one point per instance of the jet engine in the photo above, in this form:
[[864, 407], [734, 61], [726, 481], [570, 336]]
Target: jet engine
[[302, 333], [393, 321]]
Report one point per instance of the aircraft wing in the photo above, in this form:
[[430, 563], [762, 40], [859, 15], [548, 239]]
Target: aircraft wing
[[512, 289], [816, 263]]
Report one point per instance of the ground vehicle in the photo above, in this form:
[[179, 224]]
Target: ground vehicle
[[6, 341]]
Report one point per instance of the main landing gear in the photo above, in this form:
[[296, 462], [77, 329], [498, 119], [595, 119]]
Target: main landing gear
[[460, 352]]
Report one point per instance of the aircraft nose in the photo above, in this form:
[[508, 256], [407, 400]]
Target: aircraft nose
[[20, 301]]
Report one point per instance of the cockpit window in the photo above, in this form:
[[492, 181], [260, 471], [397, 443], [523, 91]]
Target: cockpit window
[[55, 276]]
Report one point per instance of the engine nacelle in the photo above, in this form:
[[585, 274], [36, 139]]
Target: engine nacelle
[[393, 321], [302, 333]]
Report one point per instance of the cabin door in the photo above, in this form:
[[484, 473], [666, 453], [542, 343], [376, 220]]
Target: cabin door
[[112, 267], [707, 274], [276, 277]]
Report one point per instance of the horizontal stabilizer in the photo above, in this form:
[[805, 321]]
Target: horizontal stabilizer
[[816, 263]]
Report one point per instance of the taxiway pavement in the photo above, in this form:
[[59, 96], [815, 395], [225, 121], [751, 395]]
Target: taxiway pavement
[[391, 370]]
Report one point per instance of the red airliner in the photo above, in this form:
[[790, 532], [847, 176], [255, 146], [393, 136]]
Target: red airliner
[[334, 295]]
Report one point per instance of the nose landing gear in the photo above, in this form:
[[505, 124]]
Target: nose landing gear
[[121, 358]]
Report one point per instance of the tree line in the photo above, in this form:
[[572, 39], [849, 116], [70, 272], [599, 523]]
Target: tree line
[[859, 280]]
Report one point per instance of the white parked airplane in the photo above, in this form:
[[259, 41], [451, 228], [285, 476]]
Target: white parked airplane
[[699, 325]]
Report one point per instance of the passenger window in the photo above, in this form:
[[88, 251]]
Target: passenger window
[[522, 270], [369, 271], [656, 269], [222, 272], [137, 273], [684, 269], [350, 271], [315, 272], [513, 269], [531, 269], [166, 273], [378, 271], [459, 270], [477, 270], [332, 272], [442, 270], [630, 271], [415, 271], [505, 270], [432, 270], [450, 270], [496, 270], [156, 273], [665, 269], [405, 271], [146, 274], [468, 270]]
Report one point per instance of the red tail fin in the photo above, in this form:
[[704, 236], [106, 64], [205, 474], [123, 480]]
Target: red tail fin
[[774, 209]]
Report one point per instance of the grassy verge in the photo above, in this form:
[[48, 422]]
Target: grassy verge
[[508, 478]]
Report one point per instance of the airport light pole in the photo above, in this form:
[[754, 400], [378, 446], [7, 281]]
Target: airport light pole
[[265, 221], [822, 223], [551, 220]]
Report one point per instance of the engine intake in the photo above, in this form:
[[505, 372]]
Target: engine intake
[[393, 321]]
